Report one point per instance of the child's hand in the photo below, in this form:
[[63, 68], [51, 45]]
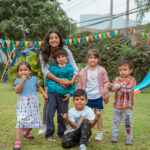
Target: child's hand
[[45, 96], [109, 85], [64, 116], [24, 78], [106, 101], [67, 96]]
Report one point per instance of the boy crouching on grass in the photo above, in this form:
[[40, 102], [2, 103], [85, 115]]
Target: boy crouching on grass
[[123, 86], [81, 118]]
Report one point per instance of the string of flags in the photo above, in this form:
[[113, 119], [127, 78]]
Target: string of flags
[[90, 37], [138, 33], [12, 43]]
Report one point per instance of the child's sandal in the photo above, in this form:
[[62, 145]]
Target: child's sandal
[[51, 139], [28, 135], [17, 145]]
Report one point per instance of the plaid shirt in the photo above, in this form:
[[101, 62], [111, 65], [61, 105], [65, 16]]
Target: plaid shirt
[[124, 92]]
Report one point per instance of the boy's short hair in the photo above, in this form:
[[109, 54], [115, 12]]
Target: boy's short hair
[[80, 92], [59, 51], [126, 62]]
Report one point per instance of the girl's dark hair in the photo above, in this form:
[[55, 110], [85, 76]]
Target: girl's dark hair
[[94, 52], [126, 62], [80, 92], [44, 50], [24, 63], [59, 51]]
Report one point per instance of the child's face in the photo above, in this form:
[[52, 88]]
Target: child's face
[[92, 60], [54, 40], [125, 71], [61, 59], [80, 102], [24, 71]]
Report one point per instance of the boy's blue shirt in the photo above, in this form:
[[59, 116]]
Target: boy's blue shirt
[[64, 72]]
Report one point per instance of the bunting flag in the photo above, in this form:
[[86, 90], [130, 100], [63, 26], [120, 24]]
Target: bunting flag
[[139, 33], [12, 43]]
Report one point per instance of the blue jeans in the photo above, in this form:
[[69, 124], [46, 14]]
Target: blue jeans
[[55, 102]]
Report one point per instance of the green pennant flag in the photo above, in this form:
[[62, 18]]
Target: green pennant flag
[[104, 35], [12, 42], [75, 40], [144, 35]]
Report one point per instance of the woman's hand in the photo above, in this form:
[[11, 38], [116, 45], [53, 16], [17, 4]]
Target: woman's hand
[[65, 82], [67, 96]]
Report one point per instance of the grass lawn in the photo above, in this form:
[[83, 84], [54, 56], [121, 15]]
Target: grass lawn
[[141, 125]]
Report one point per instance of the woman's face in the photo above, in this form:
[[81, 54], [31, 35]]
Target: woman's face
[[54, 40]]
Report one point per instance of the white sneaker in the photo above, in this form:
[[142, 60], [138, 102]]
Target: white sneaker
[[82, 147], [42, 129], [99, 136]]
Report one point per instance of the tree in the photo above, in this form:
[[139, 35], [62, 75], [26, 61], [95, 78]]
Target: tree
[[143, 5], [31, 19]]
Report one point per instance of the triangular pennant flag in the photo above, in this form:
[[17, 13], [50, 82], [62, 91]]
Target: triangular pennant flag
[[75, 40], [79, 40], [8, 42], [149, 35], [83, 39], [104, 35], [95, 36], [87, 38], [30, 43], [66, 41], [140, 33], [100, 36], [108, 34], [12, 47], [12, 42], [137, 32], [26, 43], [112, 32], [39, 42], [70, 41], [3, 42], [21, 43], [144, 35], [35, 43], [116, 32], [129, 29], [17, 43], [91, 37]]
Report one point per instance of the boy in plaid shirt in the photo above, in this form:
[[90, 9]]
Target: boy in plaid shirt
[[123, 86]]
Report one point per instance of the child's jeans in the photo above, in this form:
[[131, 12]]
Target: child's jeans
[[126, 115], [55, 102], [79, 136]]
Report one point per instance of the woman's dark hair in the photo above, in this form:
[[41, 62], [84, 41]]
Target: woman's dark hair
[[59, 51], [44, 50], [24, 63]]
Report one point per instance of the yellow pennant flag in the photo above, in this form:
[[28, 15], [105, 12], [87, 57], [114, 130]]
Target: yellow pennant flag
[[100, 36], [39, 42], [8, 42], [116, 32], [87, 38], [26, 43], [70, 41]]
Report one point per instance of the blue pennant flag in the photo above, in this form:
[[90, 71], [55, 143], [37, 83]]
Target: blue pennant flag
[[35, 43], [66, 41], [112, 32], [83, 39], [95, 36], [3, 42], [21, 43]]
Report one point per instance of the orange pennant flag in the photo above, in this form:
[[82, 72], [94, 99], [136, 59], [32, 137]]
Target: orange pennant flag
[[100, 36], [17, 43], [26, 43], [87, 38], [8, 42], [79, 40], [39, 42], [70, 41], [108, 34], [91, 37], [30, 43]]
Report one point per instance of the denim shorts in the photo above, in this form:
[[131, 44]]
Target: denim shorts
[[95, 103]]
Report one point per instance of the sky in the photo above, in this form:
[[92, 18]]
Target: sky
[[74, 8]]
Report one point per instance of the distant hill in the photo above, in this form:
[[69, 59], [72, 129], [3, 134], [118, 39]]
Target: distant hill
[[117, 23]]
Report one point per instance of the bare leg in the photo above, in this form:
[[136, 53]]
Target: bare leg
[[99, 121], [18, 133]]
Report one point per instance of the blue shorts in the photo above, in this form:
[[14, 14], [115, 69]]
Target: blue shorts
[[95, 103]]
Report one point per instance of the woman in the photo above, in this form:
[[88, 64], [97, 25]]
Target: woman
[[52, 41]]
